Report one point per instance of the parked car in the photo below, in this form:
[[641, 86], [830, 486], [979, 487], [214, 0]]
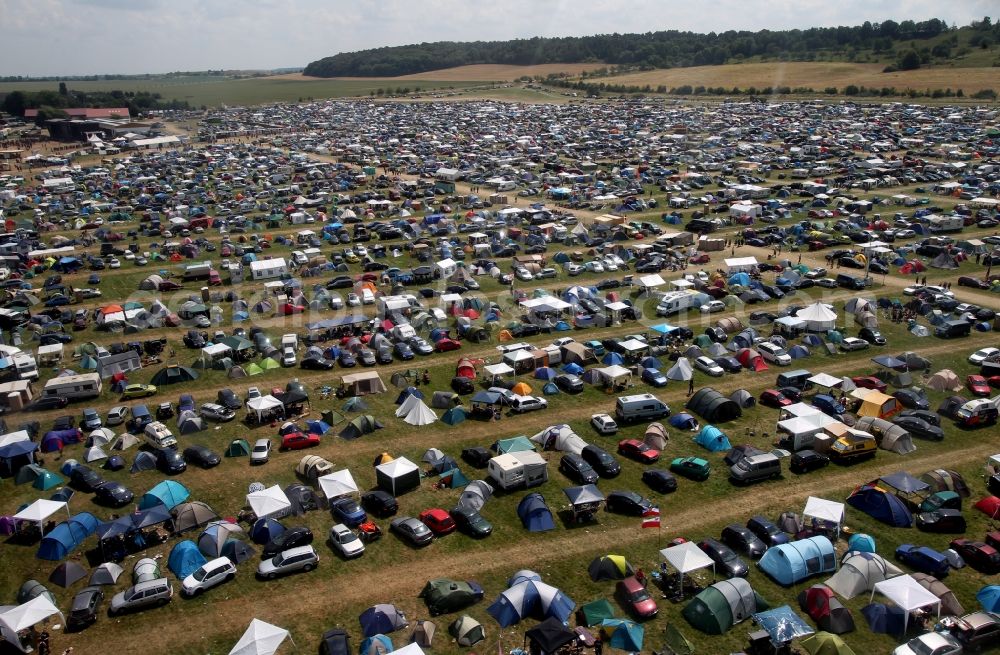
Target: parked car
[[923, 559], [604, 424], [261, 451], [86, 605], [942, 520], [660, 480], [983, 355], [90, 419], [743, 540], [930, 643], [208, 575], [980, 556], [871, 335], [634, 596], [637, 450], [84, 478], [708, 366], [113, 494], [471, 522], [569, 383], [152, 593], [577, 470], [694, 468], [601, 460], [117, 415], [653, 377], [411, 530], [345, 542], [919, 428], [627, 502], [438, 520], [807, 460], [912, 399], [346, 510], [298, 441], [202, 456], [169, 461], [302, 558], [869, 382], [727, 562], [977, 386], [218, 413], [976, 631], [138, 391], [522, 404], [773, 398], [291, 538], [767, 531], [379, 503]]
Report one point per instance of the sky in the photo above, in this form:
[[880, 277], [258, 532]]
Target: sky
[[85, 37]]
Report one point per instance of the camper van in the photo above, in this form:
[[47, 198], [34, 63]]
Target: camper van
[[157, 435], [953, 329], [975, 413], [523, 469], [755, 468], [799, 378], [73, 387], [674, 303], [640, 407], [24, 363]]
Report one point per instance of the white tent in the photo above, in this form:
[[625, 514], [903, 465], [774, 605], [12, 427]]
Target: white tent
[[400, 472], [824, 510], [860, 572], [22, 617], [263, 404], [651, 281], [907, 594], [415, 412], [102, 436], [271, 502], [818, 317], [687, 557], [409, 649], [40, 510], [14, 437], [338, 483], [681, 370], [498, 370], [826, 380], [614, 373], [93, 454], [260, 638]]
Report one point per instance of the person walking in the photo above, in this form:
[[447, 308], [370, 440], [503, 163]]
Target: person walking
[[690, 386]]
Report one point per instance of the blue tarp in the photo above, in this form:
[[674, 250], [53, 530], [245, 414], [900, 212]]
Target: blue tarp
[[713, 439], [185, 558], [535, 514], [989, 598], [782, 624], [66, 536], [795, 561]]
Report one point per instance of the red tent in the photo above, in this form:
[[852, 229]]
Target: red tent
[[990, 506], [465, 369], [751, 359]]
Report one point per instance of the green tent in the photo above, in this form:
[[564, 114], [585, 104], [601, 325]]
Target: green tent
[[703, 341], [721, 606], [513, 445], [46, 481], [361, 425], [28, 474], [594, 612], [252, 369], [824, 643], [444, 595], [453, 479], [174, 374], [238, 448], [453, 416], [678, 643], [332, 417], [267, 364]]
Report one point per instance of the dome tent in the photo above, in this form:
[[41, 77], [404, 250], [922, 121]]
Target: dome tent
[[881, 505], [790, 563], [713, 406], [722, 605], [859, 572], [713, 439]]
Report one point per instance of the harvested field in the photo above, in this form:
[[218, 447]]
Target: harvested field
[[481, 72]]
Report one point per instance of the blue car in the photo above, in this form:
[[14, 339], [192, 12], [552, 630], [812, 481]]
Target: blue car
[[653, 377], [348, 512], [57, 301], [923, 559], [828, 405], [185, 403]]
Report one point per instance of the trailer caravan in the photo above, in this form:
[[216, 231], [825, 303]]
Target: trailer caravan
[[523, 469], [73, 387]]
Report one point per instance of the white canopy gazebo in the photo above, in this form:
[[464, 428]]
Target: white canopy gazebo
[[260, 638], [496, 371], [271, 502], [907, 594], [15, 619], [825, 510], [263, 405], [818, 317], [687, 558], [826, 380], [40, 510], [337, 484]]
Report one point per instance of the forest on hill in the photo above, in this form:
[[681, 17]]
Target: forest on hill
[[666, 49]]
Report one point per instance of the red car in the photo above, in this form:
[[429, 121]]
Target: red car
[[298, 441], [288, 308], [637, 450], [702, 258], [636, 597], [444, 345], [438, 520], [993, 380], [977, 385], [978, 555], [869, 382], [774, 398]]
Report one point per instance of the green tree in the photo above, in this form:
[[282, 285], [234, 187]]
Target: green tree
[[63, 91], [909, 61]]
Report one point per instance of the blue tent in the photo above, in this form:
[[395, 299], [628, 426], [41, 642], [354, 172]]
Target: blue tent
[[612, 358], [885, 619], [623, 634], [65, 537], [317, 427], [573, 368], [713, 439], [651, 362], [544, 373], [530, 596], [264, 530], [741, 279], [167, 493], [376, 644], [812, 340], [185, 558], [790, 563], [782, 624], [683, 421], [878, 504], [862, 543], [381, 619], [798, 352], [989, 598], [407, 392], [550, 389], [15, 455], [453, 416], [535, 514]]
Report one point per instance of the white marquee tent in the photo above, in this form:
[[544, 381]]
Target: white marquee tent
[[907, 594], [40, 510], [687, 557], [338, 483], [271, 502], [260, 638]]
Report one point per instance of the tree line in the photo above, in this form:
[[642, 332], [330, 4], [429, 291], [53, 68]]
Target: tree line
[[51, 104], [663, 49]]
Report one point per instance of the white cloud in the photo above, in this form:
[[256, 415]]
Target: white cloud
[[68, 37]]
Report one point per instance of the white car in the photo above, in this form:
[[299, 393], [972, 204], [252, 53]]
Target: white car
[[595, 266], [522, 404], [129, 256], [336, 301], [604, 424], [261, 451], [930, 643], [114, 263], [547, 273], [345, 541], [708, 366], [851, 344], [208, 575], [217, 412], [609, 264], [574, 269], [816, 273], [562, 341], [984, 355], [353, 300], [713, 306], [225, 265], [523, 274], [774, 354], [302, 558]]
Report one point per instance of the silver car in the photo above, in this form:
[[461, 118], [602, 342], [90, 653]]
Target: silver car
[[151, 593], [345, 541], [215, 412], [302, 558], [261, 451]]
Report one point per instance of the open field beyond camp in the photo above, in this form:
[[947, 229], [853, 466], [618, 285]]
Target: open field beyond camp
[[584, 243]]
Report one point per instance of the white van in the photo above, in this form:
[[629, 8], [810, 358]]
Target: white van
[[157, 435], [640, 407], [506, 186], [367, 297]]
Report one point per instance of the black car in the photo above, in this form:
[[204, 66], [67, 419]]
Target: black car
[[202, 456], [601, 460], [627, 502], [46, 403], [924, 415], [164, 411], [471, 522], [85, 478], [462, 385], [169, 461], [228, 399], [807, 460], [316, 364], [728, 364], [794, 394], [113, 494], [872, 335], [919, 428], [379, 503], [911, 399], [742, 540], [576, 469], [726, 560], [477, 456], [340, 282], [86, 605], [384, 355], [569, 383], [766, 531], [194, 339], [716, 334], [950, 521], [290, 538], [660, 480]]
